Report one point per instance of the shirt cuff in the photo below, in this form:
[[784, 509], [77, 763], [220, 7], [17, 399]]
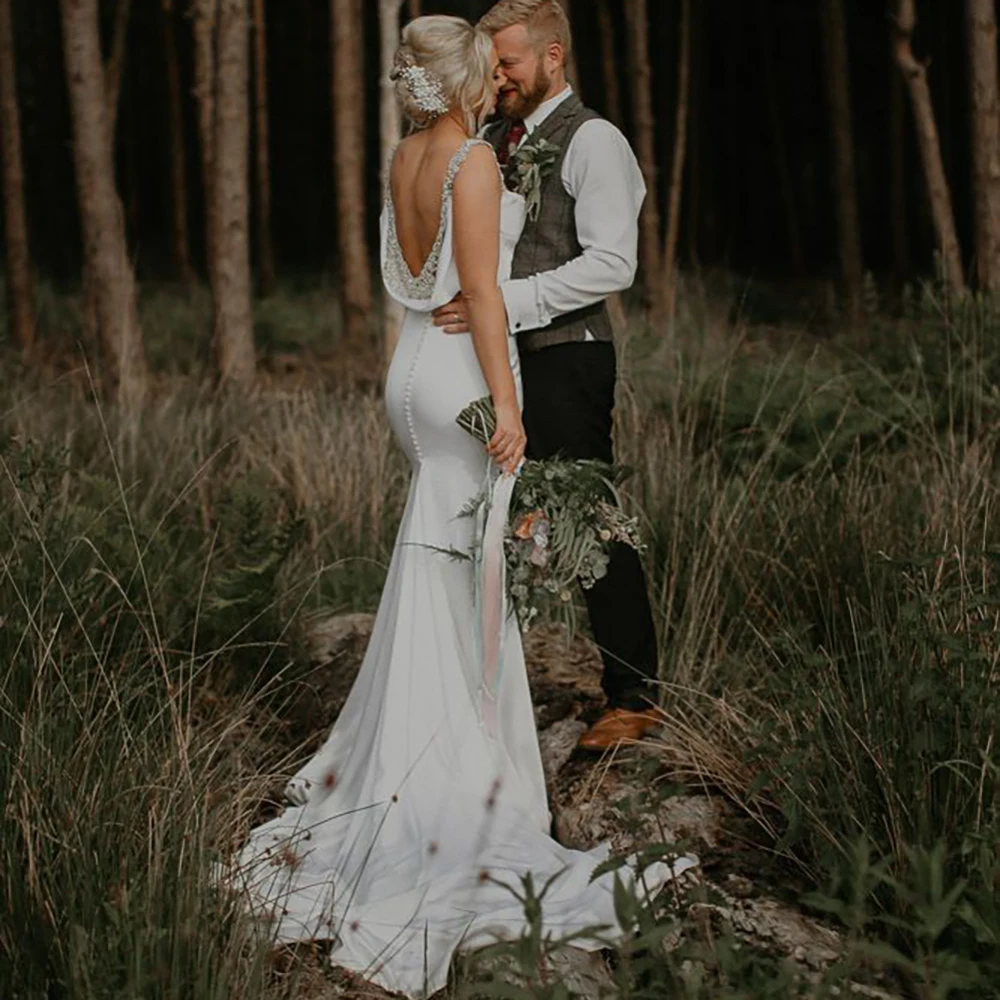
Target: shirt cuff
[[524, 311]]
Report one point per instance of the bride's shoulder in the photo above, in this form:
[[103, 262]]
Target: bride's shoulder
[[476, 161]]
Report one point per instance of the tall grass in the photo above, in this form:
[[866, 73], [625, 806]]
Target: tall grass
[[823, 564]]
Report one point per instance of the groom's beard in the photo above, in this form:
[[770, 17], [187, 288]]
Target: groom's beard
[[522, 103]]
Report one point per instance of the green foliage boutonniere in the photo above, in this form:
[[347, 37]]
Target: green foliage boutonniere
[[530, 165]]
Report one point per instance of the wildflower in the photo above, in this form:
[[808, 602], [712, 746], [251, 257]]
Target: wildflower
[[526, 524]]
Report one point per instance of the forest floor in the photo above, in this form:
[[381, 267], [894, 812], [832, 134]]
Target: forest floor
[[185, 592]]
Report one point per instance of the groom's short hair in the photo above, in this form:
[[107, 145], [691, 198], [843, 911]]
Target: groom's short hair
[[545, 20]]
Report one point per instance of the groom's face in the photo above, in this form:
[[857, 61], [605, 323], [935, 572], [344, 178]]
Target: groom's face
[[529, 76]]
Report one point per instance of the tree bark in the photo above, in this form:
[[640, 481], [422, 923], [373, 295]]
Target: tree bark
[[115, 67], [899, 228], [234, 346], [349, 165], [981, 29], [645, 141], [677, 167], [265, 244], [571, 68], [105, 249], [609, 62], [915, 74], [414, 8], [391, 127], [204, 16], [178, 153], [838, 85], [20, 297]]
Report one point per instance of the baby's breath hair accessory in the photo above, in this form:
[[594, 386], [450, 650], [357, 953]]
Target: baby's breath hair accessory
[[424, 86]]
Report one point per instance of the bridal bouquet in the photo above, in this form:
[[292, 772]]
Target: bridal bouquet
[[563, 520]]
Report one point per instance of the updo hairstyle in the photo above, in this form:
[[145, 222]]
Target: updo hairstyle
[[454, 55]]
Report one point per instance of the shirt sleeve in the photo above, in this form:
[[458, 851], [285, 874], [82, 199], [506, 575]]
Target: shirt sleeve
[[601, 173]]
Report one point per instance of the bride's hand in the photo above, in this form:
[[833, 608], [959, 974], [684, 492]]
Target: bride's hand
[[508, 442], [454, 316]]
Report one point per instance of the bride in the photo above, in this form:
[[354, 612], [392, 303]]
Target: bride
[[412, 826]]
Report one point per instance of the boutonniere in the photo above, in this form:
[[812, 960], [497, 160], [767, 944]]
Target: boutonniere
[[530, 165]]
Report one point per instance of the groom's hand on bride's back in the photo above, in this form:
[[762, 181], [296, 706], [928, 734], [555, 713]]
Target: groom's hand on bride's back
[[453, 317]]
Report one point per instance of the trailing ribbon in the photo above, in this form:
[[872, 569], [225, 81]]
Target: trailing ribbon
[[491, 589]]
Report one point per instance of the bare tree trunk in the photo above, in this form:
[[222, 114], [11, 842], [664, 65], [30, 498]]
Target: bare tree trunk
[[842, 136], [899, 228], [697, 130], [234, 346], [414, 8], [981, 28], [204, 16], [915, 74], [20, 297], [105, 249], [609, 62], [264, 241], [388, 12], [349, 164], [178, 157], [571, 69], [115, 67], [613, 94], [677, 167], [645, 140]]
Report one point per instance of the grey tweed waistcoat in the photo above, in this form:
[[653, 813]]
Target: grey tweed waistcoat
[[550, 240]]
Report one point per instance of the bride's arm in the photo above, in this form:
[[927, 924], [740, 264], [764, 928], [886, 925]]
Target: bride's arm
[[476, 228]]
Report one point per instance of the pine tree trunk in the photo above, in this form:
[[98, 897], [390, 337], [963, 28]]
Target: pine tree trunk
[[234, 348], [677, 167], [609, 63], [915, 74], [178, 153], [571, 68], [645, 141], [613, 97], [349, 166], [391, 127], [981, 28], [105, 250], [265, 245], [115, 67], [899, 228], [837, 79], [20, 297], [204, 16]]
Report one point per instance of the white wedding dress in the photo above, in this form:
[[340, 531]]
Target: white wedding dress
[[429, 790]]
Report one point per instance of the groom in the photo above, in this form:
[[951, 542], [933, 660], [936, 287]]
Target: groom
[[581, 247]]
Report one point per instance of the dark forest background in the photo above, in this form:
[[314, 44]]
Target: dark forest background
[[758, 187]]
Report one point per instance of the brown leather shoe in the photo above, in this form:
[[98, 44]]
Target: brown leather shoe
[[619, 725]]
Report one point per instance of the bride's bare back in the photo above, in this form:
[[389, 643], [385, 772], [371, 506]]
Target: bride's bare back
[[416, 181]]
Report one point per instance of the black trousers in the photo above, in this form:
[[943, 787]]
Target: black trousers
[[569, 395]]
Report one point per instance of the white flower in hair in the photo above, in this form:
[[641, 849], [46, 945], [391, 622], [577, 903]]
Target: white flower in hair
[[426, 90]]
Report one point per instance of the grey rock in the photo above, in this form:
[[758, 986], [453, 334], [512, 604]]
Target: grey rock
[[585, 973], [557, 744]]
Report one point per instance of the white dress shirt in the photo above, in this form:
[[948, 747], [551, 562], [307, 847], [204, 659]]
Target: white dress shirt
[[601, 173]]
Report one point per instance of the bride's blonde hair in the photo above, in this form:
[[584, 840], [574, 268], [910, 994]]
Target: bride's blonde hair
[[452, 54]]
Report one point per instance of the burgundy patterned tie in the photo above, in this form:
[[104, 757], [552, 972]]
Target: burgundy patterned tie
[[514, 137]]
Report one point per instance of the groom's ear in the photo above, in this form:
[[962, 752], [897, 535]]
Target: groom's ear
[[556, 55]]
